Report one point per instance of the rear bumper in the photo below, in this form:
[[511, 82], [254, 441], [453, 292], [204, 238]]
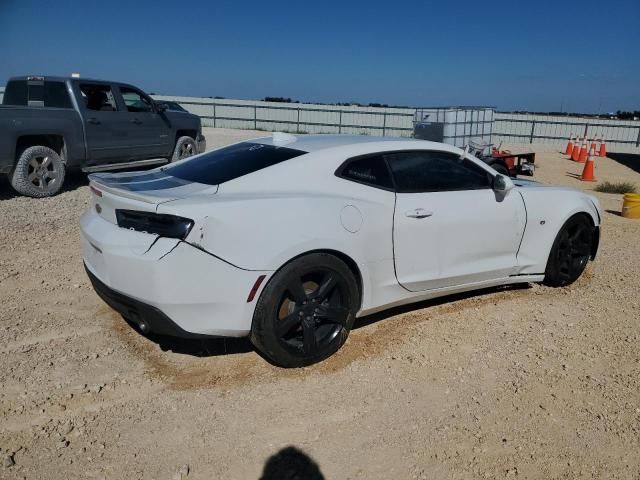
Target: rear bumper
[[171, 286], [147, 317]]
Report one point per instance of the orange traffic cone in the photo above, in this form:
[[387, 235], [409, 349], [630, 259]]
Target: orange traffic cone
[[569, 148], [587, 172], [575, 154], [583, 151], [597, 143], [603, 148]]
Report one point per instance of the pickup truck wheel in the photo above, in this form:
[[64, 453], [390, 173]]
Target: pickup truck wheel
[[185, 147], [39, 172]]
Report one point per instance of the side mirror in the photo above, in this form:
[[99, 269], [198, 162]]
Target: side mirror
[[502, 184], [161, 107]]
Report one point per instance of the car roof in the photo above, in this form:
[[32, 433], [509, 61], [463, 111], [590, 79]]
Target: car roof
[[317, 142], [313, 143]]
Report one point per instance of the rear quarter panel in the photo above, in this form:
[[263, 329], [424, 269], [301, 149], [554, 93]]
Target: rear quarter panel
[[264, 231]]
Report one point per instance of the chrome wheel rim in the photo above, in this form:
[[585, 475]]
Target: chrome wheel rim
[[43, 173], [187, 149]]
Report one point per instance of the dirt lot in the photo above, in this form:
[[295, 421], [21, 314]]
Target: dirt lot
[[527, 382]]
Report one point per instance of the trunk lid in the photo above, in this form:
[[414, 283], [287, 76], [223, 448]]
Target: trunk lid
[[142, 191]]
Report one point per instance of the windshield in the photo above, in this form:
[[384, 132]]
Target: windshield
[[231, 162]]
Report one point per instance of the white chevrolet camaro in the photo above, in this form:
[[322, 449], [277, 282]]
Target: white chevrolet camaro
[[288, 239]]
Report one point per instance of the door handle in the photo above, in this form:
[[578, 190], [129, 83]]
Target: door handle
[[136, 121], [93, 121], [418, 213]]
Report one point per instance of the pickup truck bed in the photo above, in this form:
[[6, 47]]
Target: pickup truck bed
[[52, 124]]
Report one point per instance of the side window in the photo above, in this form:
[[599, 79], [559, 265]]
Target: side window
[[432, 171], [98, 97], [134, 101], [56, 95], [368, 170], [15, 93]]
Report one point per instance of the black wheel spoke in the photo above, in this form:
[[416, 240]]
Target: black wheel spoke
[[310, 342], [296, 290], [286, 324], [330, 314], [580, 250], [326, 287]]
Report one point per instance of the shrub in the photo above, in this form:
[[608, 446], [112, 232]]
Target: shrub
[[618, 187]]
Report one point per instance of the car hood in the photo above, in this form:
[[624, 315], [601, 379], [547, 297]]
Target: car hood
[[522, 183]]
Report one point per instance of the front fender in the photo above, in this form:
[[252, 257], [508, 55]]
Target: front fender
[[547, 210]]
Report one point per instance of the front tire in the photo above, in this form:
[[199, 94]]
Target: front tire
[[306, 311], [570, 252], [39, 172], [185, 148]]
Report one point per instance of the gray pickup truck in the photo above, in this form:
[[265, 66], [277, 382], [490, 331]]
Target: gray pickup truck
[[49, 125]]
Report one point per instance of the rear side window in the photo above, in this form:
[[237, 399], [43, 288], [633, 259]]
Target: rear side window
[[98, 97], [231, 162], [432, 171], [37, 93], [56, 95], [370, 170], [15, 93]]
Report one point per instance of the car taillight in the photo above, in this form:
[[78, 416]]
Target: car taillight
[[96, 192], [163, 225]]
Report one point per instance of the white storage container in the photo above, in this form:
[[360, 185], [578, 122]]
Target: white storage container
[[454, 125]]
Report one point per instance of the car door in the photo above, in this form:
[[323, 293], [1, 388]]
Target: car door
[[148, 129], [106, 129], [450, 227]]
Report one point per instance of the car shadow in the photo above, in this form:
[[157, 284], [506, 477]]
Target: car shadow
[[631, 160], [213, 347]]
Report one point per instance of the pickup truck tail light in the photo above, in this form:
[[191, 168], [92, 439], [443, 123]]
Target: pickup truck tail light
[[163, 225]]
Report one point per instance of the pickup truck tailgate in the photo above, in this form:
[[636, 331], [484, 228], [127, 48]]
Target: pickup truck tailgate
[[142, 191]]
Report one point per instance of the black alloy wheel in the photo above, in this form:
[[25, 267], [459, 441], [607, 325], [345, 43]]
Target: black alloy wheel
[[306, 311], [570, 252]]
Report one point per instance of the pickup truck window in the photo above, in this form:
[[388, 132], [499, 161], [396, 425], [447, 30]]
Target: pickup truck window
[[98, 97], [134, 101], [15, 93], [37, 93]]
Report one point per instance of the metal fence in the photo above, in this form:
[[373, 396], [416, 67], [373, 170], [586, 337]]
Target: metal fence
[[298, 118], [511, 128], [620, 135]]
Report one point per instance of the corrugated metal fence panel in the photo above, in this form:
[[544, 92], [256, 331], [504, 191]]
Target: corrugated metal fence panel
[[620, 135], [1, 94], [298, 117]]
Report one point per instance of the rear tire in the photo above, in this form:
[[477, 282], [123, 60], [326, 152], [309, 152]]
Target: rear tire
[[570, 252], [306, 311], [39, 172], [185, 148]]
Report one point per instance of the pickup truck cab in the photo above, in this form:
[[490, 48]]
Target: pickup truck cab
[[49, 125]]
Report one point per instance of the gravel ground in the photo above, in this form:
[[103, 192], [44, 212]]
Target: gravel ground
[[527, 382]]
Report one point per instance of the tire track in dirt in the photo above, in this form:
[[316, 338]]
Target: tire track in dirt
[[378, 334]]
